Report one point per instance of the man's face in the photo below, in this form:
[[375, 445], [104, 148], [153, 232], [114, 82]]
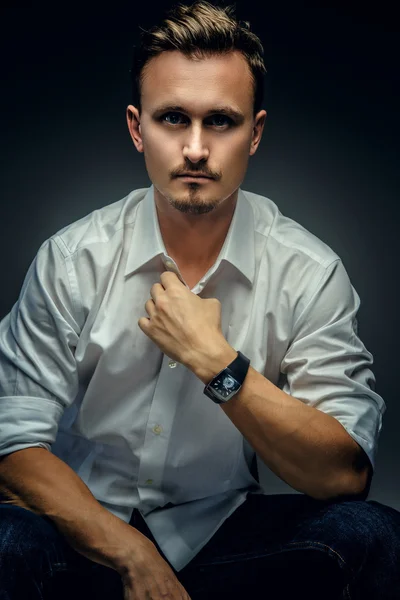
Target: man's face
[[181, 127]]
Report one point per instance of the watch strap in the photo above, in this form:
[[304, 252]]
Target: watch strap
[[238, 368]]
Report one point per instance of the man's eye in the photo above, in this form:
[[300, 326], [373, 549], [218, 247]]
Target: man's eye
[[227, 120], [174, 115], [218, 118]]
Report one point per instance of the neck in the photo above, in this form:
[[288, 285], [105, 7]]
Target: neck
[[194, 240]]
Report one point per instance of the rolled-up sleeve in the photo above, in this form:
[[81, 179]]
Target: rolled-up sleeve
[[38, 375], [327, 365]]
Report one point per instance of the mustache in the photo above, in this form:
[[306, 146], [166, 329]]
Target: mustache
[[195, 173]]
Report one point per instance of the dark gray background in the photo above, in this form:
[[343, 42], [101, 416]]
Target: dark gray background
[[328, 156]]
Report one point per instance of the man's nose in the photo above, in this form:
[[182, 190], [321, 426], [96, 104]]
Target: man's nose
[[195, 148]]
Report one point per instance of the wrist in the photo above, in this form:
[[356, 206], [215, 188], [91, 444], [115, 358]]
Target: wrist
[[212, 360], [128, 551]]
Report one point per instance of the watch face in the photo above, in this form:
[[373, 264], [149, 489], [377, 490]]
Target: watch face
[[225, 385]]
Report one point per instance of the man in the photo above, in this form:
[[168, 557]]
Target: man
[[127, 440]]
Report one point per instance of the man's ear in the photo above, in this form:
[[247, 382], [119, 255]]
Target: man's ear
[[257, 131], [134, 127]]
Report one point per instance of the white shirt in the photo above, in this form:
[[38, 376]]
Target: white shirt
[[80, 378]]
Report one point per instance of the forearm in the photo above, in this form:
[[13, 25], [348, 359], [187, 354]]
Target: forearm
[[36, 479], [305, 447]]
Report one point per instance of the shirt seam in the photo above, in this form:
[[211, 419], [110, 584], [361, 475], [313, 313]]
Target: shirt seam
[[68, 253], [72, 281], [326, 263]]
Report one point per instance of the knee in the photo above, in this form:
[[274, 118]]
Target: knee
[[368, 521], [24, 535], [365, 511]]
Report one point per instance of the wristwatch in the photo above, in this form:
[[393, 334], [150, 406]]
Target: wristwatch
[[228, 381]]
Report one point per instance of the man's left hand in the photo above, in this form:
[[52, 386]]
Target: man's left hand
[[181, 323]]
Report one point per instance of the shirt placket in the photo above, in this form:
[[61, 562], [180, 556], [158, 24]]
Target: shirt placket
[[158, 432]]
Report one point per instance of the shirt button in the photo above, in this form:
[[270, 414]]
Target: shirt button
[[172, 364], [169, 264], [149, 482], [157, 429]]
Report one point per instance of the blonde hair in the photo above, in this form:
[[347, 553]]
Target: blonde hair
[[199, 31]]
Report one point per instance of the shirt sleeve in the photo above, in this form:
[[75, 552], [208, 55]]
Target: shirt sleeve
[[38, 375], [328, 367]]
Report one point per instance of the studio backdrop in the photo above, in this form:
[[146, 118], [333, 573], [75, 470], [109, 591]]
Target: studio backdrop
[[328, 157]]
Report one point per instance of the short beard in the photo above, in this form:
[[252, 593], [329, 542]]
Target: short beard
[[193, 207]]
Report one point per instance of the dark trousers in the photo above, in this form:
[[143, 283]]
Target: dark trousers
[[272, 546]]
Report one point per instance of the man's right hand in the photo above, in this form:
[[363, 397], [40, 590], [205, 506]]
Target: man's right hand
[[147, 576], [36, 479]]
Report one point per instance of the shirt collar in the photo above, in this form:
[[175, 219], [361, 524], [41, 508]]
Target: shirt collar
[[238, 248]]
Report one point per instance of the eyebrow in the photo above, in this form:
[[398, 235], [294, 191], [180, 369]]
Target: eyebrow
[[224, 110]]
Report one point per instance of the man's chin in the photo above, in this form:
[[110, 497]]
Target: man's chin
[[192, 208]]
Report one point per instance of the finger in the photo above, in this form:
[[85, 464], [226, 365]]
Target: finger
[[156, 289], [149, 306]]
